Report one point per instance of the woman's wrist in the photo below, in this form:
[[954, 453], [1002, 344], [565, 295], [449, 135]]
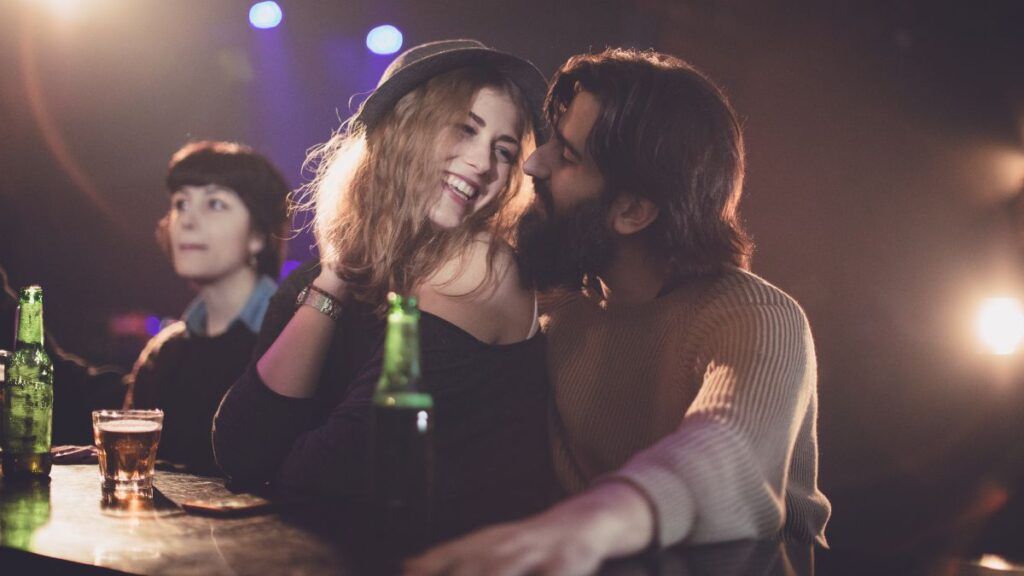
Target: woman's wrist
[[328, 281]]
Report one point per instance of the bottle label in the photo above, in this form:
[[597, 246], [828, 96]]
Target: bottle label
[[27, 421]]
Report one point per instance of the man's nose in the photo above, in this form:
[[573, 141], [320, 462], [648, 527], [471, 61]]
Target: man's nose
[[536, 165]]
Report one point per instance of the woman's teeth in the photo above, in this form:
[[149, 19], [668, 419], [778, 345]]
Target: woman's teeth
[[464, 189]]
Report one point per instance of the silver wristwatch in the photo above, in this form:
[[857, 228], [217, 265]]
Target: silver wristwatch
[[320, 302]]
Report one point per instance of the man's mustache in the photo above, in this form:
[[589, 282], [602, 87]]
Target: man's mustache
[[543, 192]]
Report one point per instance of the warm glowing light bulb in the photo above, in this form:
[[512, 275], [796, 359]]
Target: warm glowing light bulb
[[1001, 325], [993, 562], [64, 9]]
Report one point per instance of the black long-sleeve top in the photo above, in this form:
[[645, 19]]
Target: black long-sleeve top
[[185, 375], [491, 452]]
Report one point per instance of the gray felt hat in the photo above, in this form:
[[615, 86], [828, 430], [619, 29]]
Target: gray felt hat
[[421, 63]]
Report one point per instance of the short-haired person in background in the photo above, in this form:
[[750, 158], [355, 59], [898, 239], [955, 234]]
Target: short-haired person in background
[[685, 386], [416, 197], [225, 233]]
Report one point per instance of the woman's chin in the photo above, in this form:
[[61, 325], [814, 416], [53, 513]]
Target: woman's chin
[[200, 278], [445, 219]]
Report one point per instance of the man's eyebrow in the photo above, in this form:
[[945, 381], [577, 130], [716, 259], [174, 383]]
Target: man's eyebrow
[[568, 145]]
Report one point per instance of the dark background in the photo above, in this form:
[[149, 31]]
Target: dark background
[[883, 140]]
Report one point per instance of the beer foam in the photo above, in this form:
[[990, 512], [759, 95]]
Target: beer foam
[[129, 426]]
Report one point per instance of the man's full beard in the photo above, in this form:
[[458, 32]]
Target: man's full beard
[[566, 250]]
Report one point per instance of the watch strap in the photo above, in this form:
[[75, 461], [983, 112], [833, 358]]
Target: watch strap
[[315, 298]]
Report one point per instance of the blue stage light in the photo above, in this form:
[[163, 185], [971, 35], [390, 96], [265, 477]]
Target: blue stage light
[[153, 325], [265, 15], [384, 39], [288, 267]]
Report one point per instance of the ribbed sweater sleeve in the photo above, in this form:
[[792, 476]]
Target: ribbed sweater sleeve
[[722, 474]]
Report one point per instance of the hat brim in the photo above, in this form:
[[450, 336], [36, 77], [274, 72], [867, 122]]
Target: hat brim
[[521, 72]]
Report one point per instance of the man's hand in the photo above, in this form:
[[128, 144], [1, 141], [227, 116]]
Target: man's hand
[[570, 539]]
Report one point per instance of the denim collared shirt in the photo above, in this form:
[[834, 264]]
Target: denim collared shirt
[[251, 315]]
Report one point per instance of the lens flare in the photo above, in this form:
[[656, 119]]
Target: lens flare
[[64, 9]]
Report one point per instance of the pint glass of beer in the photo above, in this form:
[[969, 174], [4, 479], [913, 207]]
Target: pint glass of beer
[[127, 441]]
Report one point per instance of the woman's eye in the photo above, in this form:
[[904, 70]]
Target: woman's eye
[[467, 129], [218, 204], [179, 204], [506, 155]]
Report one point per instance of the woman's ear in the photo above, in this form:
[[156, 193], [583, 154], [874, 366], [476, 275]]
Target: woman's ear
[[257, 241], [630, 213]]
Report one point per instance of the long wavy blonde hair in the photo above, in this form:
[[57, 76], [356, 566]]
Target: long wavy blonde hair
[[372, 192]]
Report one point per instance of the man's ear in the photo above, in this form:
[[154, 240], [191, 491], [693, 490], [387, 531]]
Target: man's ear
[[630, 214]]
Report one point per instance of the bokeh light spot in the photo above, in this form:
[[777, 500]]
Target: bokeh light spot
[[264, 15], [384, 39], [1001, 325]]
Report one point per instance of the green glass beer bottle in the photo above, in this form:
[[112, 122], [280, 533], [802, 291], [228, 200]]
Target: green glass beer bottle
[[28, 395], [403, 450]]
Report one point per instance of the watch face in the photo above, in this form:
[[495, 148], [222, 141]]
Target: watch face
[[302, 296]]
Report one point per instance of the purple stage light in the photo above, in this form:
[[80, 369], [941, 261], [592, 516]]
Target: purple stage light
[[288, 267], [153, 325]]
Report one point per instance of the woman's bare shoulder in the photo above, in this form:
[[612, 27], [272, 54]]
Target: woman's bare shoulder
[[482, 293]]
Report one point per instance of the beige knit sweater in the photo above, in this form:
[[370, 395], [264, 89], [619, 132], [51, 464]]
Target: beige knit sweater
[[704, 399]]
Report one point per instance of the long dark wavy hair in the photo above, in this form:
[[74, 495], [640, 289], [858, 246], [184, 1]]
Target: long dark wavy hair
[[665, 132]]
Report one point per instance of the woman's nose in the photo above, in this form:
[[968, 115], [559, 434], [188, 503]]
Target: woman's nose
[[187, 219], [480, 156]]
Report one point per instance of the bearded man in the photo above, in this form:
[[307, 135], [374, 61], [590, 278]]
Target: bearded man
[[685, 387]]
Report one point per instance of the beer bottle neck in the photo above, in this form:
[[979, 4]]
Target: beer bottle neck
[[400, 375], [401, 370], [30, 324]]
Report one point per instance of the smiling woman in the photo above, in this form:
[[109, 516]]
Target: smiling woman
[[416, 195], [223, 232], [478, 164]]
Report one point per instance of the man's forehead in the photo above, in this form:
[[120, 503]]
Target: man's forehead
[[579, 118]]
